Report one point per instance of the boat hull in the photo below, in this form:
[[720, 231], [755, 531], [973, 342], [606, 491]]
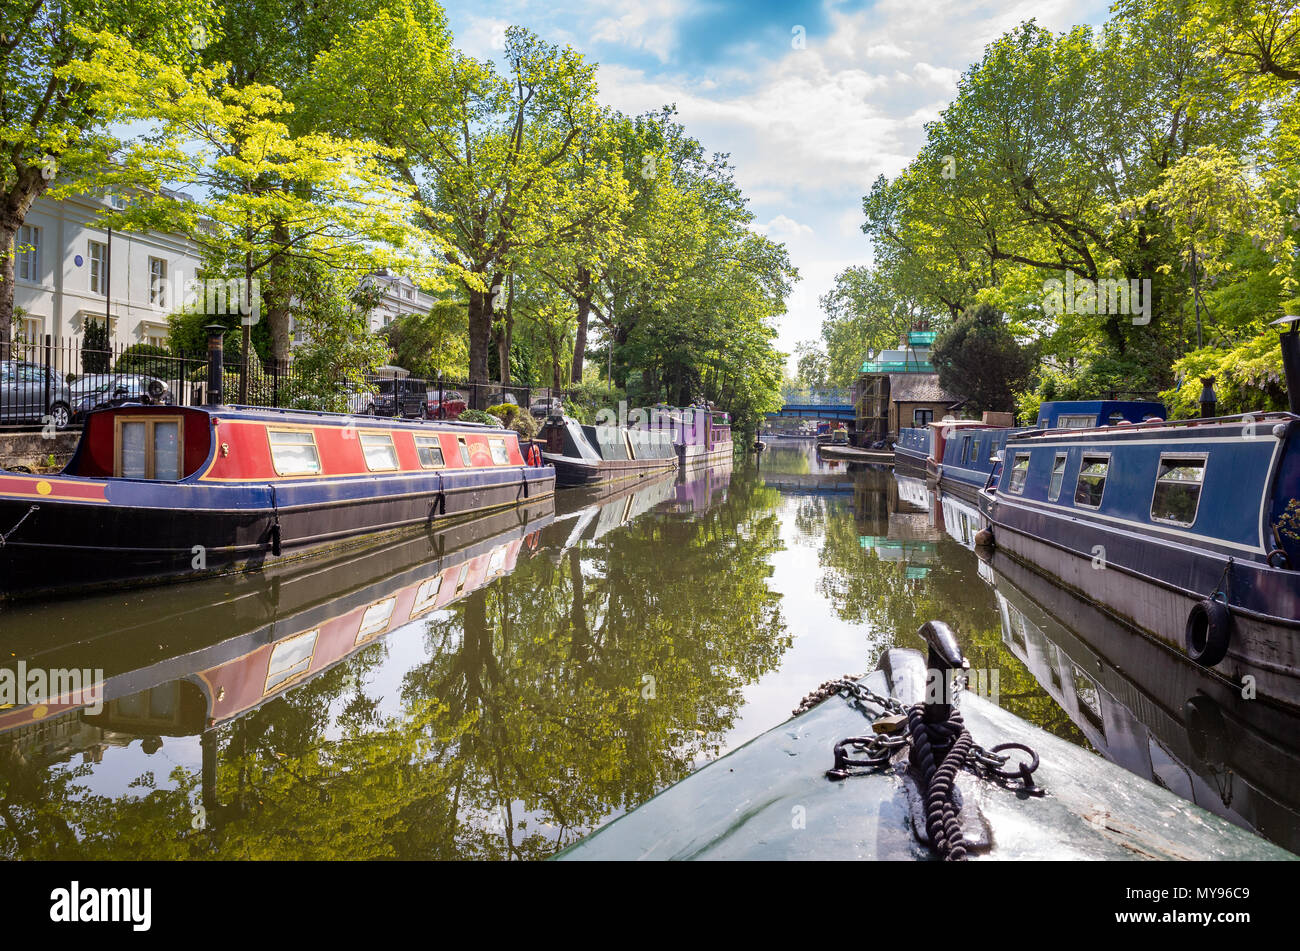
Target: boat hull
[[571, 472], [145, 534], [1153, 586]]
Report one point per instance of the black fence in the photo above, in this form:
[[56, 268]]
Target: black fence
[[53, 384]]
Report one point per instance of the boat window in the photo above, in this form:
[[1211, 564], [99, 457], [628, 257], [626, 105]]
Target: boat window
[[993, 449], [290, 659], [379, 452], [1019, 472], [974, 451], [1178, 489], [464, 451], [1058, 474], [294, 452], [375, 620], [1116, 418], [426, 596], [1076, 422], [1092, 481], [149, 448], [499, 454], [429, 450]]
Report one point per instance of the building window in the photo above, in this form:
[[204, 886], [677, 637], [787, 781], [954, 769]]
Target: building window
[[378, 449], [1178, 489], [922, 417], [27, 262], [158, 282], [1019, 472], [98, 268], [1092, 481], [155, 337], [1058, 474], [294, 452]]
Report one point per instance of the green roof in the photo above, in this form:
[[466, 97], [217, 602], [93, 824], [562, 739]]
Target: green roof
[[897, 366]]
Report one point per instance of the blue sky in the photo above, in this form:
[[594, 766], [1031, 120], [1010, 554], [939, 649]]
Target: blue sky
[[808, 128]]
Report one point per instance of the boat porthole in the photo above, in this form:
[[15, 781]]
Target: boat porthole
[[1209, 628]]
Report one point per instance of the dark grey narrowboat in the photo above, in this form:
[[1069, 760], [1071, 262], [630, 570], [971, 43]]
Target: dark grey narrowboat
[[590, 455]]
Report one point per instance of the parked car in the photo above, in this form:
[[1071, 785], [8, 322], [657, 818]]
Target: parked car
[[401, 397], [500, 397], [452, 405], [23, 387], [547, 407], [109, 389], [361, 402]]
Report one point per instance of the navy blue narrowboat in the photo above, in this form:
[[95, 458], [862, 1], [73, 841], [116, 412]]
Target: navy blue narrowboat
[[162, 493], [969, 454], [911, 450], [1189, 530]]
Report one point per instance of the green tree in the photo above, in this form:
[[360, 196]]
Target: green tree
[[978, 358], [56, 131]]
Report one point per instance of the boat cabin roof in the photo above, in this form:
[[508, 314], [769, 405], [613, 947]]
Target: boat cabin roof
[[1087, 414]]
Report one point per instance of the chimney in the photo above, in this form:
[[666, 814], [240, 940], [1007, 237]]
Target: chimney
[[216, 361], [1290, 341]]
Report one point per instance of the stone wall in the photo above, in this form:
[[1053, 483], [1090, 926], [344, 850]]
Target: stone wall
[[33, 450]]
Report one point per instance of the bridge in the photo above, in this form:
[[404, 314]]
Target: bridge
[[802, 403]]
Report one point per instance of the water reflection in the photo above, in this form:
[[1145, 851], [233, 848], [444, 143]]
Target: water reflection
[[1153, 711], [492, 691], [498, 688]]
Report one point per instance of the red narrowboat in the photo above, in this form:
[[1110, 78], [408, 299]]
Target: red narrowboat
[[163, 493]]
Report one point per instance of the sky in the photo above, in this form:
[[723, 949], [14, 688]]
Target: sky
[[813, 100]]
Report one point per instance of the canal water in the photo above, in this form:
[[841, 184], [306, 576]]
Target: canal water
[[499, 688]]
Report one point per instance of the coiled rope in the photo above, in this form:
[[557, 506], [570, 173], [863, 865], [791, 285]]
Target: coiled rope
[[950, 743]]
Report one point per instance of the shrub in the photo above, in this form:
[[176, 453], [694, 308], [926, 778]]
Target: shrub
[[148, 359], [478, 416]]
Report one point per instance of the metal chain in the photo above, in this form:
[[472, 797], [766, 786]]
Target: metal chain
[[849, 688]]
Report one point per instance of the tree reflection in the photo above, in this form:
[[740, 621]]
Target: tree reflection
[[883, 570], [576, 687]]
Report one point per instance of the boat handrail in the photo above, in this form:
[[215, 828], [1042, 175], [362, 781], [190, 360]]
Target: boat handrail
[[1152, 425], [332, 415]]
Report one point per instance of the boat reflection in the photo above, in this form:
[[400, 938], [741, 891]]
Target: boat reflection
[[449, 695], [1152, 710]]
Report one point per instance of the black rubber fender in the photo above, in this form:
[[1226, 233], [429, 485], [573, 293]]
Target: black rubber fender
[[1209, 630]]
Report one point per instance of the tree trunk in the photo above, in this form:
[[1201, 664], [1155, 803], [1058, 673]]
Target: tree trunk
[[505, 338], [480, 334], [584, 313], [278, 311], [7, 271]]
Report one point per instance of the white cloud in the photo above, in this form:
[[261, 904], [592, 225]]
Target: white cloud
[[649, 25], [783, 227]]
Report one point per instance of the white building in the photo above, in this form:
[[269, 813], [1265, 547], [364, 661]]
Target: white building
[[68, 268], [401, 296]]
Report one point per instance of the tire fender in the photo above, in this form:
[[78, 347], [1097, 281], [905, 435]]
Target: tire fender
[[1208, 632]]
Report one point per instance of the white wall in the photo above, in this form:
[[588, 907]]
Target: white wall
[[61, 297]]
